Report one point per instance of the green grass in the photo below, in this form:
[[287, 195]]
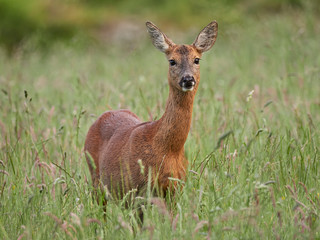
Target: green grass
[[263, 180]]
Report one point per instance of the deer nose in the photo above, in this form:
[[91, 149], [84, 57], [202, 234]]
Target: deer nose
[[187, 83]]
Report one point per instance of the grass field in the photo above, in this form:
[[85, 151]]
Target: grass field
[[262, 180]]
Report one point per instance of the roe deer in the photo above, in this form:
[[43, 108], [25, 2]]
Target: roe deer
[[118, 143]]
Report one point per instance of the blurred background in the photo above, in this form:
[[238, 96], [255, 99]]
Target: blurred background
[[43, 22]]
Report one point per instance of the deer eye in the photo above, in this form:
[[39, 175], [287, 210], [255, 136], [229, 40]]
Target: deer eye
[[172, 62], [196, 60]]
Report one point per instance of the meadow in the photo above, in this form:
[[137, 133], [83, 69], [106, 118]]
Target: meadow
[[253, 148]]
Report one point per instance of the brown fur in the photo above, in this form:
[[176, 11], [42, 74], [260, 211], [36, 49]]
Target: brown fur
[[118, 139]]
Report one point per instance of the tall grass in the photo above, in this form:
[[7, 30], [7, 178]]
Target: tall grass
[[253, 147]]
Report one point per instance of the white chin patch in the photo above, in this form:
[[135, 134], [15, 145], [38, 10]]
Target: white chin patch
[[187, 89]]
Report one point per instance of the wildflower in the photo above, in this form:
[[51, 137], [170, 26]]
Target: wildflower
[[250, 95]]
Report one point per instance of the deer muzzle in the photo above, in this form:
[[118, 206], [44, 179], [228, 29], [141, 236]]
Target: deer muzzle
[[187, 83]]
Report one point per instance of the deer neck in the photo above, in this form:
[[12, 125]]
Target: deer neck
[[174, 125]]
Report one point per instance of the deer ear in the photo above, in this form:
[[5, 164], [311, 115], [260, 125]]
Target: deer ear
[[159, 39], [207, 37]]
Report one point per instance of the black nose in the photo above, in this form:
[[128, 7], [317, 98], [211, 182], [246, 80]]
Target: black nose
[[187, 82]]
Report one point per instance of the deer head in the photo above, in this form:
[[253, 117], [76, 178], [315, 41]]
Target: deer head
[[184, 60]]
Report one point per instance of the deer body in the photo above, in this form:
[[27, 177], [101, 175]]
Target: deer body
[[123, 148]]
